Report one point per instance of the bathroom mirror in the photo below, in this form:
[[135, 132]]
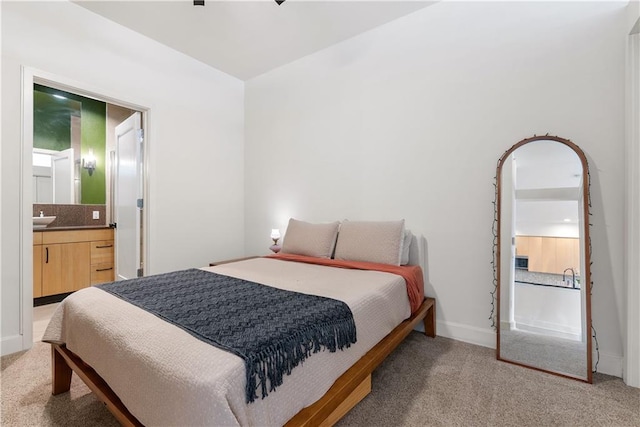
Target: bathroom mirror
[[56, 152], [69, 148], [543, 258]]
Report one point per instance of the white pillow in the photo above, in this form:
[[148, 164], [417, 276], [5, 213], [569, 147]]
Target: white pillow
[[304, 238], [406, 245], [371, 241]]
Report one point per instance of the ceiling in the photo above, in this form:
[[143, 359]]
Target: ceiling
[[547, 164], [248, 38], [548, 183]]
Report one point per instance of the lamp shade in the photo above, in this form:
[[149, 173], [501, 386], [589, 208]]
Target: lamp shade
[[275, 233]]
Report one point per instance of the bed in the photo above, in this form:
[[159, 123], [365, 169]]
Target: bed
[[150, 372]]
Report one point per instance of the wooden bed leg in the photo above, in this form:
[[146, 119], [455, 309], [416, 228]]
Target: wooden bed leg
[[60, 372], [430, 320]]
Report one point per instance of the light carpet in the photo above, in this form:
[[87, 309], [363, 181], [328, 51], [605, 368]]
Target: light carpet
[[425, 382]]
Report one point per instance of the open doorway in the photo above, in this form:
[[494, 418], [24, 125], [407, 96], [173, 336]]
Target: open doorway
[[94, 155]]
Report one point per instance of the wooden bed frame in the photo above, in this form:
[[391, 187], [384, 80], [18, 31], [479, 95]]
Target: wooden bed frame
[[346, 392]]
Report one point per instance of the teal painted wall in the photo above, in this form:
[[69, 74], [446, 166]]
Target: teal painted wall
[[52, 130]]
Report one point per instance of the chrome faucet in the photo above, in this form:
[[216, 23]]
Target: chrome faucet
[[573, 276]]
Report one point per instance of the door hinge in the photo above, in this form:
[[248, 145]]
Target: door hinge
[[140, 135], [140, 203], [140, 272]]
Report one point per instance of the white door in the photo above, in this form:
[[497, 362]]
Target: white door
[[62, 169], [42, 184], [128, 198]]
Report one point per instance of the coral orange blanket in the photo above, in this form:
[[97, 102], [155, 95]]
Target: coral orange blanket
[[412, 274]]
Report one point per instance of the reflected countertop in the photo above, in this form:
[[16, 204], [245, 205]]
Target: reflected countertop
[[72, 227], [545, 279]]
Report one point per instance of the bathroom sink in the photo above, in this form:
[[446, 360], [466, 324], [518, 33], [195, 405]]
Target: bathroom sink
[[42, 221]]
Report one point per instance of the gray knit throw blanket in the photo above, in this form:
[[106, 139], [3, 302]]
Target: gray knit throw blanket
[[273, 330]]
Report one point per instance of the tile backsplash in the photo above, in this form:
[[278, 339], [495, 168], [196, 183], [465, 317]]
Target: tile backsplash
[[72, 215]]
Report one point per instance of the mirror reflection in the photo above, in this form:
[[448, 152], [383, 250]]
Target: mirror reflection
[[56, 153], [69, 148], [544, 315]]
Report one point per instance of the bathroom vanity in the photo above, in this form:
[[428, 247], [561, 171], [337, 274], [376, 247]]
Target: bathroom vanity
[[72, 258]]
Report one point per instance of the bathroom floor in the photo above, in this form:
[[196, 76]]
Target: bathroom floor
[[41, 317]]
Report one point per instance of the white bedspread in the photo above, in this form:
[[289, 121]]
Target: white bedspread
[[164, 376]]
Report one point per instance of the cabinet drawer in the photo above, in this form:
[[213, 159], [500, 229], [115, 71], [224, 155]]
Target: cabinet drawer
[[65, 236], [101, 273], [101, 234], [102, 252]]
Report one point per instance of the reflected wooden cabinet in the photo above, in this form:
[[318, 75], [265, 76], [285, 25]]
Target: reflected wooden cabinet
[[549, 254], [66, 261]]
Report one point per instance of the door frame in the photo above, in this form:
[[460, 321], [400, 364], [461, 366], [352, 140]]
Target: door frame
[[631, 370], [29, 77]]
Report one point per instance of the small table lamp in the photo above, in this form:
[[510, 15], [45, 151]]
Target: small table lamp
[[275, 235]]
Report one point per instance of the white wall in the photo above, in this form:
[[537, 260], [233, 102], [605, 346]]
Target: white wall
[[551, 311], [195, 135], [408, 121]]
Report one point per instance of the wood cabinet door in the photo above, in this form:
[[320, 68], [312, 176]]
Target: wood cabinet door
[[575, 243], [563, 255], [37, 271], [66, 267], [549, 253], [568, 250], [522, 245], [52, 282], [79, 266], [535, 253]]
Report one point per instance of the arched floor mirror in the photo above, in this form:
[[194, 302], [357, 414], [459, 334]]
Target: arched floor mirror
[[543, 258]]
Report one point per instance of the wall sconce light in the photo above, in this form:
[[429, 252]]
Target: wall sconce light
[[275, 236], [89, 162]]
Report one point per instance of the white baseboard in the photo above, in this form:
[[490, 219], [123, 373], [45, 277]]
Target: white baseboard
[[12, 344], [507, 326], [485, 337], [554, 332]]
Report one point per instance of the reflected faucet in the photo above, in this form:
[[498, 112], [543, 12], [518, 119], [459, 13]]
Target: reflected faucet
[[573, 276]]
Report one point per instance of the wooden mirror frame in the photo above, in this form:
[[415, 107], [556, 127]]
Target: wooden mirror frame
[[586, 243]]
